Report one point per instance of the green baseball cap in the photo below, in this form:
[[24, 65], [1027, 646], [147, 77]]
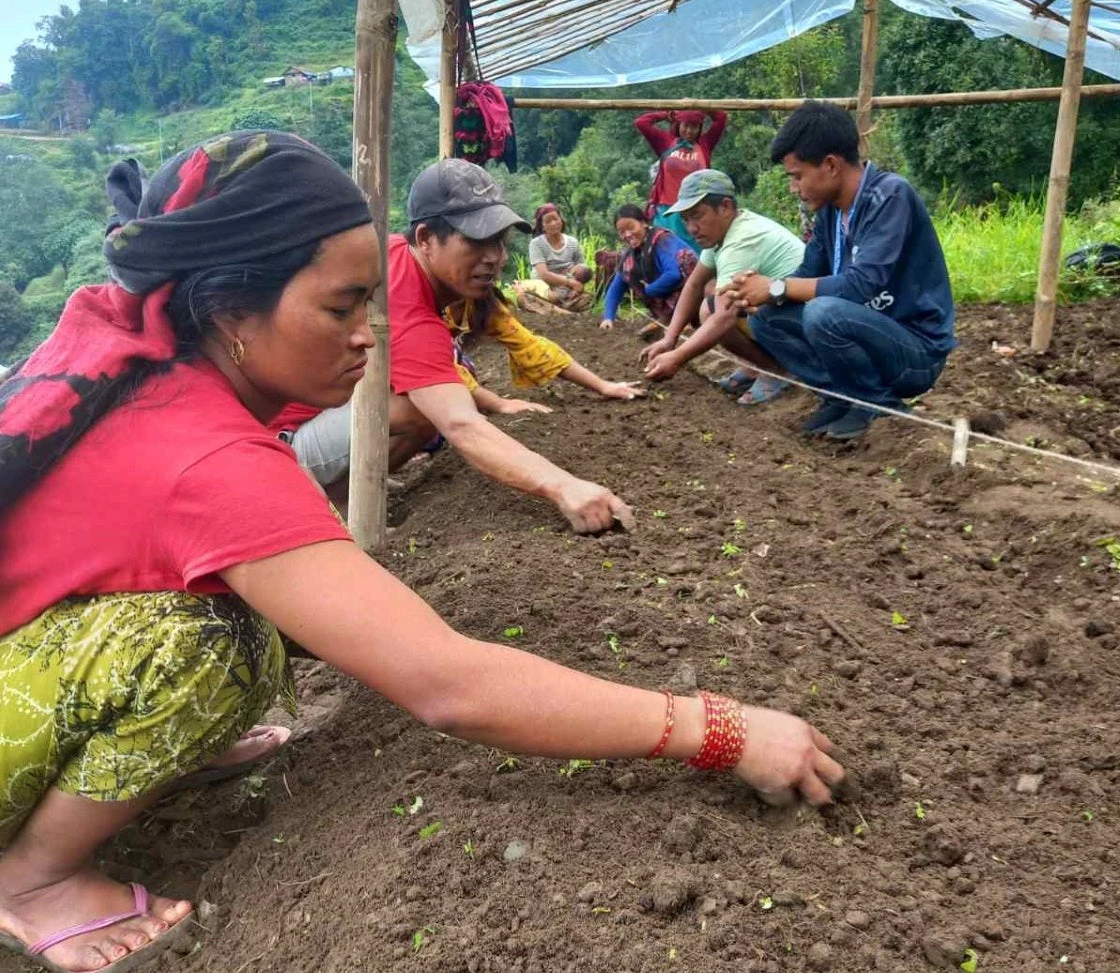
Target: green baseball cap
[[704, 182]]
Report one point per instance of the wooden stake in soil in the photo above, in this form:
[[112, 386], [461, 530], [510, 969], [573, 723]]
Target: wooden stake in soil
[[961, 432], [867, 71], [448, 58], [1049, 262], [375, 50]]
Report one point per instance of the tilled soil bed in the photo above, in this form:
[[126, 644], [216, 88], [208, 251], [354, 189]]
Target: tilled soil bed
[[954, 633]]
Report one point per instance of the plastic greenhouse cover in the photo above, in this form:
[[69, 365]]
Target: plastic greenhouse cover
[[702, 34]]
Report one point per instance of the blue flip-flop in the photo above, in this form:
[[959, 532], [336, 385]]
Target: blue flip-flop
[[737, 382], [764, 389]]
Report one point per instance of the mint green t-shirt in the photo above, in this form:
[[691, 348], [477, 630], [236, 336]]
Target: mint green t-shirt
[[754, 242]]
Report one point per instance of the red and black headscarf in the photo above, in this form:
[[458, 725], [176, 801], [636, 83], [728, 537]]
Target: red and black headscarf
[[541, 213], [234, 199]]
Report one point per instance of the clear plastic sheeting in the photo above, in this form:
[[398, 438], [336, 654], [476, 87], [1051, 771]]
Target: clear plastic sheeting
[[608, 43]]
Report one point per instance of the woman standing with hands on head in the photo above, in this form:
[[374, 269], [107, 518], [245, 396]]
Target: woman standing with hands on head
[[140, 616], [685, 147]]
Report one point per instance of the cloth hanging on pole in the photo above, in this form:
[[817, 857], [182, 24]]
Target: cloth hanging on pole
[[483, 125]]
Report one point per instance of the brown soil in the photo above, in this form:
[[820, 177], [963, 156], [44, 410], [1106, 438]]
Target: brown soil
[[980, 721]]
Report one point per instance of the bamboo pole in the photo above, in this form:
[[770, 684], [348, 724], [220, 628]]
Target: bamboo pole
[[375, 51], [1049, 261], [448, 57], [868, 51], [941, 100]]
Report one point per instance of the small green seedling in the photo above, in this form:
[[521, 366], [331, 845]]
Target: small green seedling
[[1087, 815], [860, 830], [508, 766], [723, 662], [1111, 547], [897, 619], [740, 591], [399, 811], [672, 954], [730, 550], [539, 529], [419, 940], [766, 903], [661, 396], [707, 437], [660, 514], [919, 811], [738, 525], [660, 580], [608, 564], [573, 767], [488, 536], [967, 530], [971, 958], [469, 848], [601, 910], [513, 631], [412, 545], [278, 839], [431, 830], [891, 471]]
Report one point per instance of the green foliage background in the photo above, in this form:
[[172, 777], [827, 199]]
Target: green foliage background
[[148, 78]]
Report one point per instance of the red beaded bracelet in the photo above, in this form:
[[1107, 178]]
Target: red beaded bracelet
[[725, 734], [656, 751]]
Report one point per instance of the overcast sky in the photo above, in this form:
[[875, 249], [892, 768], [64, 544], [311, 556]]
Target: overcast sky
[[18, 25]]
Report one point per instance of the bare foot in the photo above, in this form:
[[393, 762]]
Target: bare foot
[[256, 744], [30, 915]]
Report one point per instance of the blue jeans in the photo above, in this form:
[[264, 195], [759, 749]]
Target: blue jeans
[[841, 346]]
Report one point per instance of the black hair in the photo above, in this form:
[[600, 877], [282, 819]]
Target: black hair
[[631, 212], [233, 291], [714, 199], [437, 226], [816, 130]]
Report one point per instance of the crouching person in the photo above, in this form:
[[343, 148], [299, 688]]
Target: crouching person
[[869, 313]]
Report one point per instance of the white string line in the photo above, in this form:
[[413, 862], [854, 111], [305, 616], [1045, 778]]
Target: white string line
[[899, 414]]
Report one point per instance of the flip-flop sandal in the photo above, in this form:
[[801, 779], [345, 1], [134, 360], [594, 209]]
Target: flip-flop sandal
[[214, 775], [764, 389], [135, 959], [737, 382]]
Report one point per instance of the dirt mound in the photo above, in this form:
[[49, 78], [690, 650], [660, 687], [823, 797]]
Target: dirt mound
[[956, 634]]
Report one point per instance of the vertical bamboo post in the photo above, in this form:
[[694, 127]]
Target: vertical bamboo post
[[448, 58], [374, 63], [1049, 262], [868, 53]]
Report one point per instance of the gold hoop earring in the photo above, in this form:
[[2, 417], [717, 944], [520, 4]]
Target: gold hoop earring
[[236, 351]]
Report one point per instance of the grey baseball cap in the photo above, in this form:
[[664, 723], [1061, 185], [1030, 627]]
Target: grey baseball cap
[[464, 195], [703, 182]]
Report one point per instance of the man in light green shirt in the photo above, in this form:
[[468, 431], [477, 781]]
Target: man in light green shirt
[[735, 241]]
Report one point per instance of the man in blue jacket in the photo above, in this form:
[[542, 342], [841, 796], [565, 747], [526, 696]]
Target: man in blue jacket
[[869, 313]]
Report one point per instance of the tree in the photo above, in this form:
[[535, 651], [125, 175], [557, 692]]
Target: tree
[[15, 322]]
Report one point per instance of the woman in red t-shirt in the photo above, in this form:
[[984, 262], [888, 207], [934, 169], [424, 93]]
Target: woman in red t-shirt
[[139, 615], [685, 147]]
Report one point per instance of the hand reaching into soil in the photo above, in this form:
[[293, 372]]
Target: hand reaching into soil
[[622, 390], [509, 407], [660, 347], [785, 756], [591, 508]]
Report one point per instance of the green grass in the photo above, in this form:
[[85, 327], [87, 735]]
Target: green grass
[[993, 250]]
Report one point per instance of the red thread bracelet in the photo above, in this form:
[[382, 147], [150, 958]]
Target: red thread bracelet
[[656, 751], [725, 734]]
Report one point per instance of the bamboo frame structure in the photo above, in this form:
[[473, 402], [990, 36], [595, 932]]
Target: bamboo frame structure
[[374, 64], [448, 61], [952, 99], [868, 52], [1049, 261]]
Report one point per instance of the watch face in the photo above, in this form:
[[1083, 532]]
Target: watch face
[[777, 288]]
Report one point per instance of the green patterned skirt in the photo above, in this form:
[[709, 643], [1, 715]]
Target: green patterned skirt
[[113, 697]]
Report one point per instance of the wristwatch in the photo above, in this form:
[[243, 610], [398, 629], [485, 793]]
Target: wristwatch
[[778, 292]]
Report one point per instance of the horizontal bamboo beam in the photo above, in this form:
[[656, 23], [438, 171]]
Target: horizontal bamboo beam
[[940, 100]]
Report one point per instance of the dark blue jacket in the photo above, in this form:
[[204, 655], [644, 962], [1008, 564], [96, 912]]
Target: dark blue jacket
[[892, 259]]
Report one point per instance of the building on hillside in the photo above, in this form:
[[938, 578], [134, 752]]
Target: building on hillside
[[339, 73], [272, 82], [294, 75], [12, 121]]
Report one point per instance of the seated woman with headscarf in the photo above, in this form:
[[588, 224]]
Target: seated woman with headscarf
[[559, 271], [140, 614], [686, 147], [653, 266]]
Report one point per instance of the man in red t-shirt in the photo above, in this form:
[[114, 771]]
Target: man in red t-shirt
[[453, 253]]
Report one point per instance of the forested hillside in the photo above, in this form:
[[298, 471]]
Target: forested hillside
[[149, 77]]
